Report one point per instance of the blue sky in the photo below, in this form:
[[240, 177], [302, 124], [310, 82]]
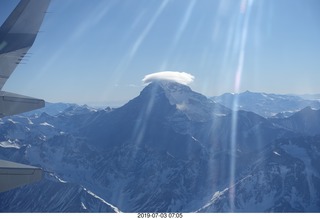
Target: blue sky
[[98, 51]]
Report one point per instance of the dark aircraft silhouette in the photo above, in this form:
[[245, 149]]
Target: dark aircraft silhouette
[[17, 35]]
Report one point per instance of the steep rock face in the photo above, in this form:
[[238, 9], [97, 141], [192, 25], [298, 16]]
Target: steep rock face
[[168, 150], [304, 122], [195, 106], [285, 179], [171, 114], [159, 117], [51, 195], [145, 179]]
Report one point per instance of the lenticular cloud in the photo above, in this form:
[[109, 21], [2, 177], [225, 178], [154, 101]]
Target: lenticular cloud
[[179, 77]]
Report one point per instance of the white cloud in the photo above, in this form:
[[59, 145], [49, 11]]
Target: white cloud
[[179, 77]]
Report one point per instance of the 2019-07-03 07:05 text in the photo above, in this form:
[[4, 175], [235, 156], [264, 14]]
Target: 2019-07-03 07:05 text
[[159, 215]]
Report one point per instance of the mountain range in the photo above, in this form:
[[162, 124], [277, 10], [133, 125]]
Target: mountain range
[[170, 149], [268, 105]]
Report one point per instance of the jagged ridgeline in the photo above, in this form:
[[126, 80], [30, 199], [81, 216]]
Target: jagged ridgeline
[[170, 149]]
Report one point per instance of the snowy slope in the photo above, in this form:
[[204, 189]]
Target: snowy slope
[[196, 106], [51, 195], [266, 105], [306, 122], [167, 150], [287, 179]]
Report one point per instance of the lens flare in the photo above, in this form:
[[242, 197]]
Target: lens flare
[[147, 29], [245, 7]]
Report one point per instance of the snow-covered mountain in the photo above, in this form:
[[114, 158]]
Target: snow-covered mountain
[[285, 179], [266, 105], [51, 109], [53, 195], [305, 122], [170, 149]]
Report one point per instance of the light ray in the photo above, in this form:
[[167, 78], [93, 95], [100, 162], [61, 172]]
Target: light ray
[[125, 62], [244, 16], [184, 22], [178, 35], [92, 19], [147, 29]]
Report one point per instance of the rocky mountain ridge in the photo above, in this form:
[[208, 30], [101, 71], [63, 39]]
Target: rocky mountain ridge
[[168, 150]]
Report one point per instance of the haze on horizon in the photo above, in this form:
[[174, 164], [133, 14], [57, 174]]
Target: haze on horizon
[[99, 51]]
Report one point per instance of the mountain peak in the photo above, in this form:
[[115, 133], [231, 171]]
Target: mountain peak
[[175, 92], [307, 111], [170, 86], [195, 106], [173, 86]]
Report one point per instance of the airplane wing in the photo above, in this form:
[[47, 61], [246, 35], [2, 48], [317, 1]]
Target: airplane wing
[[17, 35], [13, 175], [12, 104]]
